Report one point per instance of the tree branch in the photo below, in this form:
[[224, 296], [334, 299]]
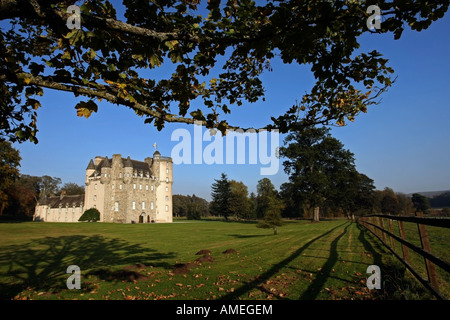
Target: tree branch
[[28, 79]]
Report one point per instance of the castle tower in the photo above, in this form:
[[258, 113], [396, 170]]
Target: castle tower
[[89, 170], [162, 169]]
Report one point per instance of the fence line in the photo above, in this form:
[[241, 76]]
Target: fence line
[[375, 224]]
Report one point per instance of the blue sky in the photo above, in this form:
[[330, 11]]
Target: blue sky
[[402, 143]]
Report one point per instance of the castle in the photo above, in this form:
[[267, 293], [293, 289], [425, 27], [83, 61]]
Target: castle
[[122, 189]]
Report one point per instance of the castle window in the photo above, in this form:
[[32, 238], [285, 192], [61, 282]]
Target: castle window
[[134, 205], [167, 188], [146, 187], [112, 187], [140, 187], [120, 187], [151, 205], [95, 197], [143, 205], [142, 175], [106, 175], [120, 175], [95, 186], [167, 170], [152, 187], [167, 208], [167, 198], [128, 175], [116, 206], [134, 186], [167, 179]]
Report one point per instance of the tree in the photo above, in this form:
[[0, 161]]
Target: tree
[[318, 166], [239, 202], [72, 188], [9, 171], [50, 185], [91, 215], [269, 205], [107, 58], [272, 216], [221, 195], [353, 194], [420, 202], [389, 202], [23, 193], [405, 204], [266, 192], [192, 207]]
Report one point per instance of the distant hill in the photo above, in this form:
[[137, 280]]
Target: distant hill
[[429, 194], [438, 199]]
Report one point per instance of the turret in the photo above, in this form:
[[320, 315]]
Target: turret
[[105, 170], [128, 170], [156, 164], [89, 170]]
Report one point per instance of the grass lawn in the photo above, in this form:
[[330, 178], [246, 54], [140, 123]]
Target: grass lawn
[[326, 260]]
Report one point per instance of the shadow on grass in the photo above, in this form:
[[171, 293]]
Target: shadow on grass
[[245, 236], [396, 284], [314, 288], [275, 268], [41, 265]]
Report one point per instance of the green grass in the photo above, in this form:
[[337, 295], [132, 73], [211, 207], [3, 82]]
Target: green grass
[[326, 260]]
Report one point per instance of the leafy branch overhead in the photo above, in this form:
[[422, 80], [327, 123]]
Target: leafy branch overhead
[[211, 55]]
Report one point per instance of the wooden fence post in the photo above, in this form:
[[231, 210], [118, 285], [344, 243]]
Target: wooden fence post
[[425, 240], [383, 235], [402, 235], [390, 230]]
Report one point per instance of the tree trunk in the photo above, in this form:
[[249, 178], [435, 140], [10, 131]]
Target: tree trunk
[[316, 214], [275, 230]]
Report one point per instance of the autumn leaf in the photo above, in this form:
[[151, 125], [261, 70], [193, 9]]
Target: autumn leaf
[[85, 109]]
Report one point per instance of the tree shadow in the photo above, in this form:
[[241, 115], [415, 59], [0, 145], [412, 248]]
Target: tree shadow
[[42, 264], [368, 247], [395, 283], [314, 288], [274, 269], [245, 236]]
